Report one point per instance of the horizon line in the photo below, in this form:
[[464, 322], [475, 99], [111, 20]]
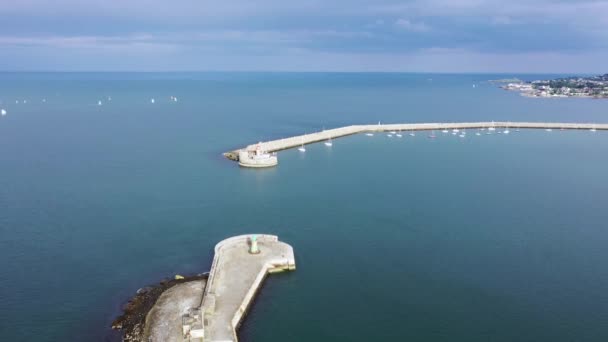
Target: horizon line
[[305, 72]]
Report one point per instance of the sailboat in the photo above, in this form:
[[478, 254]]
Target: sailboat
[[445, 130], [478, 133], [99, 103], [593, 129], [412, 134], [369, 134], [302, 148], [152, 100], [399, 134], [3, 112], [432, 135], [548, 130], [506, 131], [492, 128], [328, 142]]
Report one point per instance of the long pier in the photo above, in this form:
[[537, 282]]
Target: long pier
[[291, 142]]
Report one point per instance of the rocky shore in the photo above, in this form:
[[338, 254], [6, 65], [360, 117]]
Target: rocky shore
[[132, 323]]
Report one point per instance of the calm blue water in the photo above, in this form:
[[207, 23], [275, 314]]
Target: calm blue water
[[491, 238]]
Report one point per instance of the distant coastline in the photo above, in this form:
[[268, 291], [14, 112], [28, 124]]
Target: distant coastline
[[585, 87]]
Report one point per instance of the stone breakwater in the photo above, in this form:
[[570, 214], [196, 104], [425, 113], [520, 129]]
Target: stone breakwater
[[206, 307], [133, 321], [295, 141]]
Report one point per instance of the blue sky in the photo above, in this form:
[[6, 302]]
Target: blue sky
[[293, 35]]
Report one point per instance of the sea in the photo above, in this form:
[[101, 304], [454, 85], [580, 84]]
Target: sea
[[485, 238]]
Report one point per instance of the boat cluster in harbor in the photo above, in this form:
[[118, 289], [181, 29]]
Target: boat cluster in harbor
[[462, 133]]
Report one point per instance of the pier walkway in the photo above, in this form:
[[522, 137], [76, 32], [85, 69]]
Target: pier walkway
[[291, 142], [235, 276]]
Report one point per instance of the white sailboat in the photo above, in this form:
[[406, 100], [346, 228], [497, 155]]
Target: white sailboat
[[506, 131], [399, 134], [593, 129], [99, 103], [412, 134], [370, 134], [152, 100], [492, 128], [302, 148], [3, 112], [328, 142]]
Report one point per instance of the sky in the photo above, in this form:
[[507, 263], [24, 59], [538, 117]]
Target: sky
[[526, 36]]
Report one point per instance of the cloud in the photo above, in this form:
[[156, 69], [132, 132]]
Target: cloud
[[407, 25], [238, 30]]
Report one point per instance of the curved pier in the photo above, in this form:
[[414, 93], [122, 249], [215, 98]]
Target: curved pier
[[239, 267], [291, 142]]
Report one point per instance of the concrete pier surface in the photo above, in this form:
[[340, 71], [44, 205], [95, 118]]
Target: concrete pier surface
[[164, 321], [291, 142], [235, 277]]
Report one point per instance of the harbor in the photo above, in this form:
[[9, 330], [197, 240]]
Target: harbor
[[263, 154]]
